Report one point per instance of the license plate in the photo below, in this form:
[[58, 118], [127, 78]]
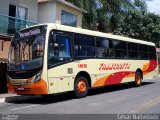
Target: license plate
[[20, 88]]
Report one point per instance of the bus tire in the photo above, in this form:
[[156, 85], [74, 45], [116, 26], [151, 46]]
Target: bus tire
[[81, 87], [138, 79]]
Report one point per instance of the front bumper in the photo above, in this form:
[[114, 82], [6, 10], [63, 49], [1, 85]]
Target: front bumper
[[38, 88]]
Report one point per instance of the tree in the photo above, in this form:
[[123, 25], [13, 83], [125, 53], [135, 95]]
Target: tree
[[123, 17], [90, 18], [100, 12], [140, 26], [110, 12], [140, 5]]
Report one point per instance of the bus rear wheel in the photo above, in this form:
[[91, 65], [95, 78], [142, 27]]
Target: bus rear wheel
[[138, 79], [81, 87]]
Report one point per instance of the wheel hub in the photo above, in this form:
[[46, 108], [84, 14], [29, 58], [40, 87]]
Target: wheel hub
[[138, 79], [81, 86]]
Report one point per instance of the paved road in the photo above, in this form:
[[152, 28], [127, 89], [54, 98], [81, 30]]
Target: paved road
[[113, 99]]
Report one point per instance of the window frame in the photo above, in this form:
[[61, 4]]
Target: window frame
[[60, 33], [93, 46], [26, 12], [124, 50], [134, 51], [109, 47], [69, 13]]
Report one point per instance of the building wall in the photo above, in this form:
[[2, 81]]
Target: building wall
[[4, 52], [32, 6], [4, 7], [46, 12], [61, 7], [51, 12], [4, 10]]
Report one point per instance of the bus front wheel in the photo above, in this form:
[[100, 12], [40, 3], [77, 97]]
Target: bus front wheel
[[81, 87], [138, 79]]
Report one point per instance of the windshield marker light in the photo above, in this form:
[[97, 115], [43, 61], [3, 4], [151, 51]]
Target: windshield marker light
[[37, 77]]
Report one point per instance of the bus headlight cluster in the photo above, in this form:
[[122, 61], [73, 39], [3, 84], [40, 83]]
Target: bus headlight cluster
[[37, 77]]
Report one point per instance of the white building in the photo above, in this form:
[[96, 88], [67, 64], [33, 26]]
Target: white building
[[60, 12]]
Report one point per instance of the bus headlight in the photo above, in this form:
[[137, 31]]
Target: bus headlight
[[37, 77]]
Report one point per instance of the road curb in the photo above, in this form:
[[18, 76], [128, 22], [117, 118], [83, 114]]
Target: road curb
[[2, 100], [4, 96]]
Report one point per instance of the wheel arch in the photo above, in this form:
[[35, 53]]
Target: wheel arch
[[139, 70], [86, 75]]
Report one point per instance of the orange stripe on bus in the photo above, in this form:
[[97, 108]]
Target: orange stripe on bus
[[100, 82], [119, 76]]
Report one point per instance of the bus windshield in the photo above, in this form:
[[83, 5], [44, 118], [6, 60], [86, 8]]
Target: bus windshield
[[27, 49]]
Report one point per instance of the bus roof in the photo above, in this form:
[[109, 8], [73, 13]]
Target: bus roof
[[94, 33]]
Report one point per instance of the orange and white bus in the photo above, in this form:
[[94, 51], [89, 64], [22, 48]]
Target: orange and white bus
[[51, 58]]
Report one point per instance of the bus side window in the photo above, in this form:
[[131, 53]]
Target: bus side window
[[84, 46], [120, 49], [152, 53], [133, 50], [59, 53], [143, 50], [104, 48], [63, 49]]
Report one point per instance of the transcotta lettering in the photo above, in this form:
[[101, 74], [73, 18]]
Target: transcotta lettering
[[114, 66]]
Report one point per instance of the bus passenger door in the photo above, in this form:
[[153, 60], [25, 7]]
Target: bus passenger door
[[59, 57], [64, 54]]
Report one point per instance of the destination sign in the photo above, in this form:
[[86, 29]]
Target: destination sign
[[30, 33]]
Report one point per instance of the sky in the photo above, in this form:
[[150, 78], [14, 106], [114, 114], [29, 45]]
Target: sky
[[154, 6]]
